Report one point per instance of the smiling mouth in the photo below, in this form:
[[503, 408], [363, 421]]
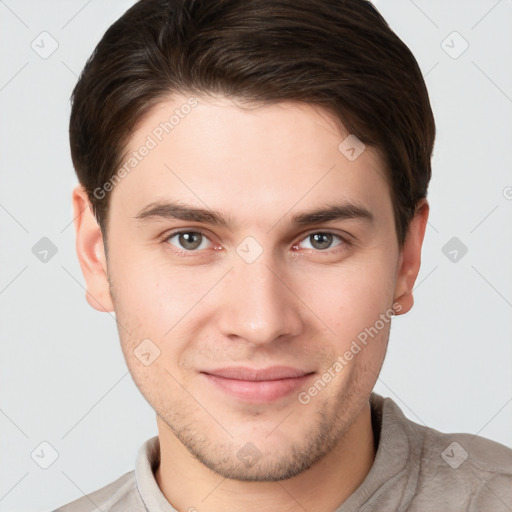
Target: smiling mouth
[[258, 385]]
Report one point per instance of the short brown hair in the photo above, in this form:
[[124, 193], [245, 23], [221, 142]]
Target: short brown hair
[[338, 54]]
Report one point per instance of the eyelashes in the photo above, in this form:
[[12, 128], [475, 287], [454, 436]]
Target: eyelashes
[[192, 242]]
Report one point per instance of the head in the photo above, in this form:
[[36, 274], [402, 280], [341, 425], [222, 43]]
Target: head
[[253, 180]]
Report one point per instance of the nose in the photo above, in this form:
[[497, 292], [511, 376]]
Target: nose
[[258, 304]]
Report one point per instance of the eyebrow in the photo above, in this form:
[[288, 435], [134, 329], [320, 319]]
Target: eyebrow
[[168, 210]]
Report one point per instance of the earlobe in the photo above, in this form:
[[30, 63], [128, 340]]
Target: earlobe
[[91, 253], [410, 259]]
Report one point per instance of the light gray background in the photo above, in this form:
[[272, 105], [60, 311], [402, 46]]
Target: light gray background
[[63, 377]]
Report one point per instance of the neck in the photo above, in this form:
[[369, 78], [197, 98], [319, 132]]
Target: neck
[[188, 485]]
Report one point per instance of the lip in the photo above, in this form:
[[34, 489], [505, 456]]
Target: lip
[[254, 385]]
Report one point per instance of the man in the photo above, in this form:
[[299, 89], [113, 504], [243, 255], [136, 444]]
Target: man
[[252, 205]]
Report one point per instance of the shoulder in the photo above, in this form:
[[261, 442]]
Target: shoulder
[[463, 451], [451, 450], [130, 491], [120, 495], [466, 469], [442, 471]]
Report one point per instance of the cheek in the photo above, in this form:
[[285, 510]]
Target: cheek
[[160, 299], [153, 292], [157, 301], [352, 295]]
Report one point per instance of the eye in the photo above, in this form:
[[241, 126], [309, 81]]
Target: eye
[[188, 240], [321, 241]]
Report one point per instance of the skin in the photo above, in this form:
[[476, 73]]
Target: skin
[[298, 304]]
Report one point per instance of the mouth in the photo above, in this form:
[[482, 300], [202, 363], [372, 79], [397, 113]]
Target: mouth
[[253, 385]]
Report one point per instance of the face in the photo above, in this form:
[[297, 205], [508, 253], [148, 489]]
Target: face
[[239, 310]]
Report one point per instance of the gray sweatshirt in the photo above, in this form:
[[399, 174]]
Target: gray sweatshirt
[[416, 469]]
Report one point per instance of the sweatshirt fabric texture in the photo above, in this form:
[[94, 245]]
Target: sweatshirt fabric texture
[[416, 469]]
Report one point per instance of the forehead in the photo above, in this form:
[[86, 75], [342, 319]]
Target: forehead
[[218, 154]]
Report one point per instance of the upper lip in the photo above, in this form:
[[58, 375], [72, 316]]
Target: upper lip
[[255, 374]]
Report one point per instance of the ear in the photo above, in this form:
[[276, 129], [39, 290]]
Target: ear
[[91, 252], [410, 259]]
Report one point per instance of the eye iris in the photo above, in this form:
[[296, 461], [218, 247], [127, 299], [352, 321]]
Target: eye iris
[[187, 240], [322, 239]]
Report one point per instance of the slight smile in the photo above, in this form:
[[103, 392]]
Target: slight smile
[[264, 385]]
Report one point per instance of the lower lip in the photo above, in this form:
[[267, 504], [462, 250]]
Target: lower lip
[[264, 391]]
